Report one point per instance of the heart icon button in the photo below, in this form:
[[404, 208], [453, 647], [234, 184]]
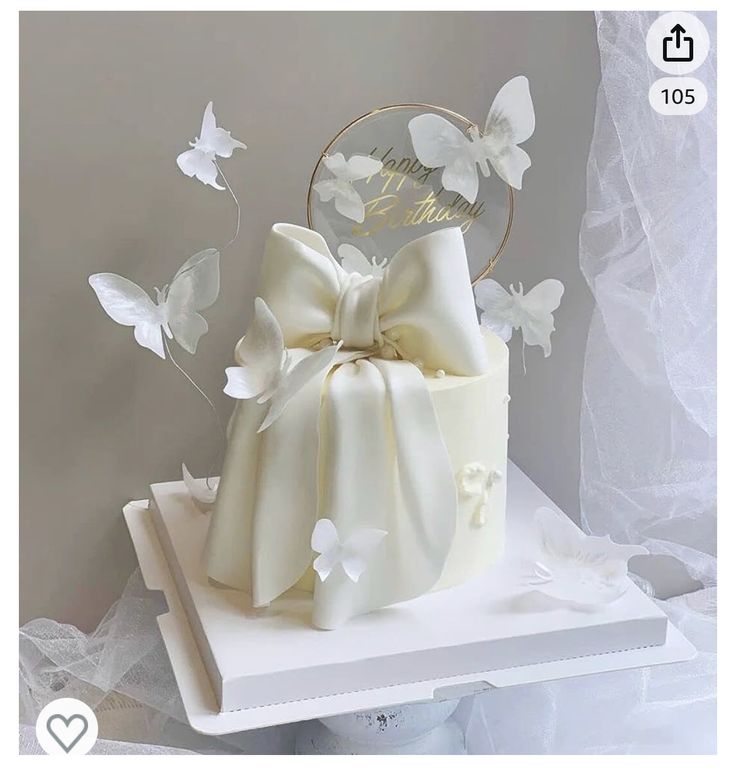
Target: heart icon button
[[66, 727], [67, 731]]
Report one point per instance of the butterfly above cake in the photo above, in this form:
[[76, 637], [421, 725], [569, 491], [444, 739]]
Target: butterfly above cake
[[510, 122]]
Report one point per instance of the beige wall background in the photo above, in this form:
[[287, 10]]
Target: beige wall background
[[107, 102]]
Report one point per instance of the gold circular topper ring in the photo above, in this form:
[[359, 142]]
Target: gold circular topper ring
[[420, 105]]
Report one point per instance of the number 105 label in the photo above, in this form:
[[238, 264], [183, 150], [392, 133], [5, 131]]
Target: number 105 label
[[678, 96]]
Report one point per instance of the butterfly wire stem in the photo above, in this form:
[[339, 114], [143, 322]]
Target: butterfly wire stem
[[523, 356], [220, 427], [237, 205]]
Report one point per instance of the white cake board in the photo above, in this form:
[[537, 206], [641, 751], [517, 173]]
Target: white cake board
[[458, 628]]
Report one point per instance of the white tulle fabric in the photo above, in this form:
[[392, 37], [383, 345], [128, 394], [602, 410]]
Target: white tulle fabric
[[648, 251], [365, 449], [668, 709], [122, 671]]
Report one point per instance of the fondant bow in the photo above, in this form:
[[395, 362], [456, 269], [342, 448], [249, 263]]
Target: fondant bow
[[363, 448], [422, 306]]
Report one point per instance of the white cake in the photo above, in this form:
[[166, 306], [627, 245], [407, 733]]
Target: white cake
[[400, 443]]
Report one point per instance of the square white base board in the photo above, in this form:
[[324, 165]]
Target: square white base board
[[272, 667]]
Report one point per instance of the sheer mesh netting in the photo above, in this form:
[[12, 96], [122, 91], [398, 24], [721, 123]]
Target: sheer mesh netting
[[122, 671], [668, 709], [647, 249]]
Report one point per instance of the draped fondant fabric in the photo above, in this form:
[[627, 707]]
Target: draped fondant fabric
[[363, 447]]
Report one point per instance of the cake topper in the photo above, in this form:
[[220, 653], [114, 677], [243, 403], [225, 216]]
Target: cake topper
[[201, 160], [503, 312], [174, 313], [575, 568], [340, 189], [352, 554], [406, 199], [510, 121], [354, 261], [266, 371], [203, 494], [213, 141]]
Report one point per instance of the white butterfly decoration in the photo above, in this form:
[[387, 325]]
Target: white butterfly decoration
[[267, 372], [347, 199], [510, 121], [195, 287], [201, 494], [213, 141], [352, 554], [354, 261], [575, 568], [503, 312]]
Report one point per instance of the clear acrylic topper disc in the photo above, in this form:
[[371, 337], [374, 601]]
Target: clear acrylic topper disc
[[355, 200]]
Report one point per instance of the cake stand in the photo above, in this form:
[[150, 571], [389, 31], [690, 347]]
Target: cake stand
[[240, 669]]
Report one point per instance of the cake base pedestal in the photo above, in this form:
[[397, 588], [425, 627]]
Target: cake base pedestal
[[440, 647], [423, 728]]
